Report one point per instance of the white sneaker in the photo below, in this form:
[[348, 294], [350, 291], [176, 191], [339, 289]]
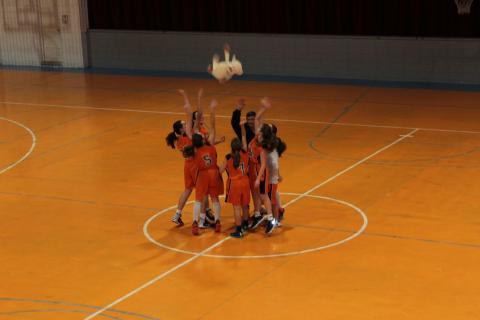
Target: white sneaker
[[202, 224], [177, 219]]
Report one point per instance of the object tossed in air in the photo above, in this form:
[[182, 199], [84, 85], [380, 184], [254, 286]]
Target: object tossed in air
[[225, 70]]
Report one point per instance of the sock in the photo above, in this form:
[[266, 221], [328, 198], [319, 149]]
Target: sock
[[196, 210], [217, 209], [257, 214], [278, 200], [178, 213], [269, 217]]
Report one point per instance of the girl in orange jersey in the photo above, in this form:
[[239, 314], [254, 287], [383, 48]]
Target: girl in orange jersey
[[180, 139], [254, 153], [199, 126], [238, 186], [208, 179]]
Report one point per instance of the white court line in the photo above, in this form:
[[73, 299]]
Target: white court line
[[26, 155], [228, 117], [163, 275], [223, 240], [351, 167], [264, 256]]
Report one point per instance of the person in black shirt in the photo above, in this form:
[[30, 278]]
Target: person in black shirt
[[249, 126]]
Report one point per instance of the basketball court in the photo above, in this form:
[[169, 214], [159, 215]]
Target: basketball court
[[380, 189]]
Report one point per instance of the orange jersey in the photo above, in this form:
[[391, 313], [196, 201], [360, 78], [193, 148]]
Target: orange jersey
[[254, 151], [208, 179], [203, 131], [206, 158], [241, 171], [183, 141]]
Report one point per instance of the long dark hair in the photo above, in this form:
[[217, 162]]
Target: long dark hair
[[188, 152], [173, 136], [270, 141], [281, 147], [197, 140], [236, 146]]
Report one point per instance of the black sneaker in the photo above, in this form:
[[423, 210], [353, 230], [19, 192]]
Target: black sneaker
[[244, 225], [209, 216], [271, 224], [256, 220], [236, 234]]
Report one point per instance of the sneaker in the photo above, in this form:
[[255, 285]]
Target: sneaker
[[236, 234], [278, 224], [244, 225], [218, 227], [177, 219], [281, 213], [195, 231], [180, 222], [203, 224], [271, 224], [256, 220], [209, 216]]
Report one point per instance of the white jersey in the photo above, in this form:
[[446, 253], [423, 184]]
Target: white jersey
[[272, 164], [225, 70]]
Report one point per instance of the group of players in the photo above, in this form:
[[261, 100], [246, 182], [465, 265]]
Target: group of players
[[252, 168]]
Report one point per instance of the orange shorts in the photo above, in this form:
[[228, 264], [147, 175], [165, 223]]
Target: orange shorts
[[208, 182], [238, 192], [272, 193], [189, 171]]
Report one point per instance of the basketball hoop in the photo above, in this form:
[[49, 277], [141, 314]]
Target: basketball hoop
[[463, 6]]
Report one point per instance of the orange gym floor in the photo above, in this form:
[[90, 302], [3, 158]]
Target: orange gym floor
[[381, 187]]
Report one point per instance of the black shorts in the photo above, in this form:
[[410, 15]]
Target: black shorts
[[263, 187]]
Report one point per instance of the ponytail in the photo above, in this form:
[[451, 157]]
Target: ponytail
[[236, 158], [236, 146], [173, 136], [171, 139], [281, 147]]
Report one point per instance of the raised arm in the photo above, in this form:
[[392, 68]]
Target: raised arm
[[188, 112], [213, 107], [244, 136], [236, 115], [265, 105], [199, 99]]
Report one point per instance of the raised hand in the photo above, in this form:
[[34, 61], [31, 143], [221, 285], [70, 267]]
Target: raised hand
[[213, 105], [241, 104], [266, 103]]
